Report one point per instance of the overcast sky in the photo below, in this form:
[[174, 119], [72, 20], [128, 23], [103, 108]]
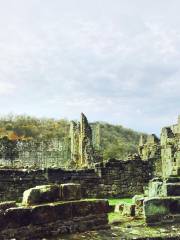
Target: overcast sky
[[115, 60]]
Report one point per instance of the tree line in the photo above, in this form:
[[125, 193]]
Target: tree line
[[115, 140]]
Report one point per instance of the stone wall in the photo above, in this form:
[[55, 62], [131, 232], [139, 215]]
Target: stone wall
[[80, 148], [170, 150], [14, 182], [165, 153], [150, 149], [36, 153], [54, 219], [124, 178], [114, 179]]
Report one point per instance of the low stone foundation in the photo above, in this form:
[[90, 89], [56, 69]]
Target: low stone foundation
[[54, 219], [162, 210], [58, 228], [159, 187]]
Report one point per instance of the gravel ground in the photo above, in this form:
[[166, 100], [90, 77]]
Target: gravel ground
[[128, 228]]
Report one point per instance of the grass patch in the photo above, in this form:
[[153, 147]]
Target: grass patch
[[114, 217], [117, 216], [114, 201]]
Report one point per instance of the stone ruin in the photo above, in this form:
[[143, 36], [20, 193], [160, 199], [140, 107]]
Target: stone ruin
[[57, 207], [149, 150], [163, 202], [170, 150], [36, 153], [82, 150], [79, 149], [50, 211], [149, 147], [164, 151], [160, 203]]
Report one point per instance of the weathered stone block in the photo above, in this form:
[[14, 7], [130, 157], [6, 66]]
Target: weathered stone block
[[81, 208], [17, 217], [138, 200], [70, 191], [118, 207], [156, 188], [63, 210], [160, 188], [100, 206], [41, 194], [55, 229], [129, 210], [39, 221], [173, 189], [6, 205], [161, 210], [44, 214]]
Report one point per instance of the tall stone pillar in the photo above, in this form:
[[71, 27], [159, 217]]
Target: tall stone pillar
[[82, 152], [86, 147], [142, 140], [74, 136]]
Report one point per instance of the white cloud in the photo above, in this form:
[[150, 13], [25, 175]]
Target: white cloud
[[117, 61], [6, 88]]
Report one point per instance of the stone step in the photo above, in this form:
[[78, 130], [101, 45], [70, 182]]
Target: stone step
[[162, 210], [175, 167], [173, 179], [174, 172], [173, 189], [176, 217]]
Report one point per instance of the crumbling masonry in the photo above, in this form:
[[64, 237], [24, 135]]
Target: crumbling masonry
[[82, 151], [163, 202], [150, 150], [170, 150]]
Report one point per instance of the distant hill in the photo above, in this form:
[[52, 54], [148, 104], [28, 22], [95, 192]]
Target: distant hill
[[115, 140], [27, 127]]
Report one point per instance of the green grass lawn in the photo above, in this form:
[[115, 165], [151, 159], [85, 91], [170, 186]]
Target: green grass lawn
[[114, 201], [116, 216]]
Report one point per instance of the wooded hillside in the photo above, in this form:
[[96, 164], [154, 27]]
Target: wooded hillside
[[115, 140]]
